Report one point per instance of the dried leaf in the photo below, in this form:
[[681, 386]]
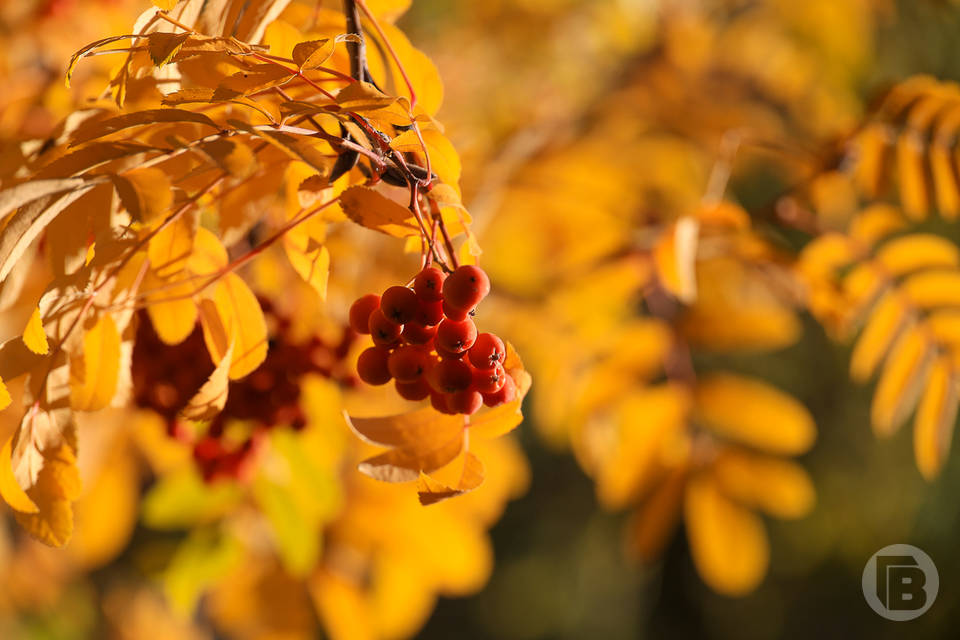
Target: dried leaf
[[24, 226], [371, 209], [163, 46]]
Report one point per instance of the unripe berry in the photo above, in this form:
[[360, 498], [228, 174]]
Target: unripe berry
[[372, 366], [429, 284], [429, 314], [507, 393], [487, 352], [466, 287], [415, 391], [416, 333], [455, 336], [489, 380], [454, 313], [383, 330], [360, 312], [466, 402], [450, 376], [399, 304], [407, 363]]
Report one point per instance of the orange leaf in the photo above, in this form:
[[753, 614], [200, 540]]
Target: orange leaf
[[431, 492]]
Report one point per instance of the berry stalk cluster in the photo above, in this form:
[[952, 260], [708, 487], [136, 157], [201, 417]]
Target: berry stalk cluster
[[426, 341]]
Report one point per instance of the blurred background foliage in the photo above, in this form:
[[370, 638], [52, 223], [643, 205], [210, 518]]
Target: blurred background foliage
[[566, 112]]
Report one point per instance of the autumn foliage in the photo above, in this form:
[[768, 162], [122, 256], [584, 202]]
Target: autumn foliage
[[253, 337]]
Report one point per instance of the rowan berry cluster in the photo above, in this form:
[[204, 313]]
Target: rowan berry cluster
[[267, 398], [426, 342]]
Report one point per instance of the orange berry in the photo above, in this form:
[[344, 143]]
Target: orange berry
[[383, 330], [449, 376], [466, 287], [489, 380], [507, 393], [487, 352], [399, 304], [466, 402], [372, 366], [416, 333], [456, 336], [407, 363], [415, 391], [360, 312], [429, 284]]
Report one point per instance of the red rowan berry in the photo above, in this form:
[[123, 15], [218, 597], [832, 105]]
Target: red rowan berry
[[383, 330], [440, 402], [429, 284], [466, 287], [488, 351], [429, 313], [372, 366], [416, 333], [417, 390], [407, 363], [454, 313], [489, 380], [456, 336], [507, 393], [448, 355], [449, 376], [360, 312], [466, 402], [399, 304]]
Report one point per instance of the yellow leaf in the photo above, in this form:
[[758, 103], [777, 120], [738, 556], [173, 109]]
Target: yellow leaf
[[94, 374], [779, 487], [165, 5], [212, 396], [363, 96], [163, 46], [374, 210], [422, 440], [308, 255], [934, 422], [753, 413], [146, 193], [33, 336], [875, 339], [313, 53], [675, 258], [939, 288], [5, 398], [648, 417], [900, 382], [235, 317], [57, 485], [10, 489], [917, 251], [911, 176], [649, 528], [172, 310], [171, 247], [727, 541], [431, 492], [444, 160]]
